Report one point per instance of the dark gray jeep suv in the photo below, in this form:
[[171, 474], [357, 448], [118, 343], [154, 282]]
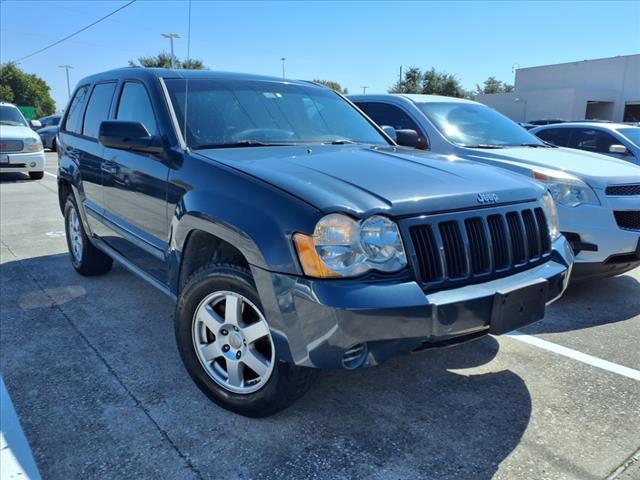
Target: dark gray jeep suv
[[292, 232]]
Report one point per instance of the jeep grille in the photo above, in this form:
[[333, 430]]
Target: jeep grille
[[478, 245]]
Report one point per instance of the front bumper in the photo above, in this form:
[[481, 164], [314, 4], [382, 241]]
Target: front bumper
[[599, 238], [315, 322], [22, 162]]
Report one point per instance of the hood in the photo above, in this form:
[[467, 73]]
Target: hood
[[49, 129], [17, 133], [364, 180], [597, 170]]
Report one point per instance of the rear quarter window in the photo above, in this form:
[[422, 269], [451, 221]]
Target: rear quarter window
[[73, 122]]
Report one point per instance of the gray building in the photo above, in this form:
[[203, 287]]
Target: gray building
[[606, 89]]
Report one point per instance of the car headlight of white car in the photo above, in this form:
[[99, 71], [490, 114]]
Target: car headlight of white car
[[551, 214], [566, 189], [32, 145], [343, 247]]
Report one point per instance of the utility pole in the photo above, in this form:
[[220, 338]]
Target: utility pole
[[364, 90], [171, 36], [283, 60], [400, 77], [67, 67]]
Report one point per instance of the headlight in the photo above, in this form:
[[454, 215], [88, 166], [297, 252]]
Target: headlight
[[566, 189], [342, 247], [551, 214], [32, 144]]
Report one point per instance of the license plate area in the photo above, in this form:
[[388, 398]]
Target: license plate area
[[516, 308]]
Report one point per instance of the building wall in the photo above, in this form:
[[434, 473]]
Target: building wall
[[563, 90]]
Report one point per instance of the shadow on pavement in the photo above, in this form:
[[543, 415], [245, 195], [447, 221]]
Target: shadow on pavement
[[108, 337], [591, 304], [14, 178]]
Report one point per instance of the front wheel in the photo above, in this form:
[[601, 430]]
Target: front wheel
[[85, 258], [226, 345], [36, 175]]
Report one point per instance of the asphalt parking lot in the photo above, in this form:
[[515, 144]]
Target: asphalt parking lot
[[94, 374]]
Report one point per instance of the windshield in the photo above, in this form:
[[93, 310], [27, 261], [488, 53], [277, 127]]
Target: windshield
[[633, 134], [11, 116], [473, 125], [222, 113]]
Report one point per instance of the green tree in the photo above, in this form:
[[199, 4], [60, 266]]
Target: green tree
[[163, 60], [493, 85], [333, 85], [431, 82], [411, 83], [25, 89]]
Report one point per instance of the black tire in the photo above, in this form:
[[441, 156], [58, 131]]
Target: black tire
[[92, 261], [36, 175], [287, 382], [53, 145]]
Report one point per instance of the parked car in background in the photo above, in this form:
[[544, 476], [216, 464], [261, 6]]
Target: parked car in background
[[49, 135], [547, 121], [598, 196], [50, 120], [527, 126], [614, 139], [292, 231], [20, 147]]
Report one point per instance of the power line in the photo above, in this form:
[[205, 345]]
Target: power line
[[75, 33]]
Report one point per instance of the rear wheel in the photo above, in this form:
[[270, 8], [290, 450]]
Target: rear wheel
[[85, 258], [53, 145], [36, 175], [226, 345]]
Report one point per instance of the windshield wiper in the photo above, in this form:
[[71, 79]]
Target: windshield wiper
[[534, 145], [241, 144], [483, 145], [342, 141]]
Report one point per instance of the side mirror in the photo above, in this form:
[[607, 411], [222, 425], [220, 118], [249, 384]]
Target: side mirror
[[128, 136], [390, 131], [619, 149], [35, 124], [410, 138]]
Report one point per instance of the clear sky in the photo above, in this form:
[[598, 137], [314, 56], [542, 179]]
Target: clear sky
[[354, 43]]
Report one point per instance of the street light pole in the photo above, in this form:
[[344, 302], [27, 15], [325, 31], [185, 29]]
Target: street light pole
[[364, 90], [67, 67], [283, 60], [171, 36]]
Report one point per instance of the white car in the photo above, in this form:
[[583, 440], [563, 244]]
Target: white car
[[598, 196], [20, 147], [614, 139]]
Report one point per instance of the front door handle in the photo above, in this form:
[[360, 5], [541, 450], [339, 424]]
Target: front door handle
[[108, 167]]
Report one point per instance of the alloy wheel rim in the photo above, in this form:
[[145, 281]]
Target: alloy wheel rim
[[75, 235], [232, 341]]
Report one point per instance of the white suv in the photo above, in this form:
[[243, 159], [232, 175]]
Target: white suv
[[20, 147], [598, 197]]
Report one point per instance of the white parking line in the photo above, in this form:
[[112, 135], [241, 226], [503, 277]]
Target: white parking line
[[574, 354], [50, 174]]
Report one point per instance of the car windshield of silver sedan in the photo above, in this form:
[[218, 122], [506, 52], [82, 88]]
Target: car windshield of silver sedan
[[12, 116], [477, 126], [226, 114], [632, 133]]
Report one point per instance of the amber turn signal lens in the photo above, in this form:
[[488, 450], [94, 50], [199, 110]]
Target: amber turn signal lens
[[312, 265]]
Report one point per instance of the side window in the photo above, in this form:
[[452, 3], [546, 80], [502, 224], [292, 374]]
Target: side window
[[97, 108], [73, 123], [135, 106], [390, 115], [556, 136], [592, 140]]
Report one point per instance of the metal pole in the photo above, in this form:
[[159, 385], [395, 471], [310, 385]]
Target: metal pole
[[67, 67], [283, 60], [364, 90], [171, 36]]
